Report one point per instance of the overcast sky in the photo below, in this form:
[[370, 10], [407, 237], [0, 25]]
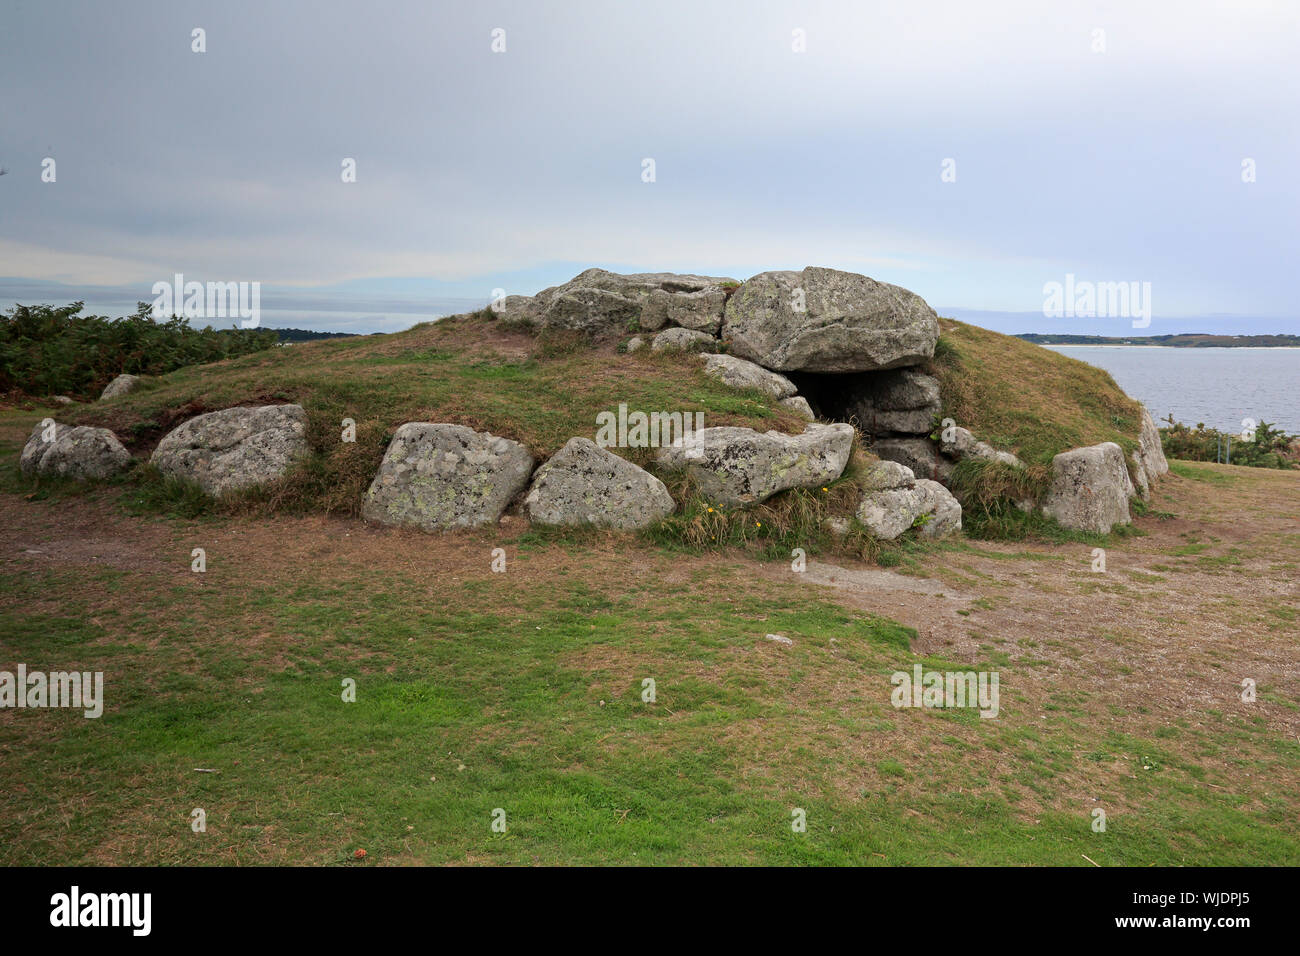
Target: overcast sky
[[478, 170]]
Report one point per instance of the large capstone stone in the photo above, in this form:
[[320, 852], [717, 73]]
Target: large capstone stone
[[921, 455], [583, 484], [824, 320], [898, 400], [1090, 488], [120, 386], [910, 503], [601, 303], [740, 373], [437, 476], [234, 448], [82, 453], [741, 466]]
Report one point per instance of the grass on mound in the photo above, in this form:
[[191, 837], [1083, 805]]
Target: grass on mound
[[467, 370], [1027, 399]]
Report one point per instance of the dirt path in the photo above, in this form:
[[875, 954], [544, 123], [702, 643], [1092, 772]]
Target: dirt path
[[1207, 596]]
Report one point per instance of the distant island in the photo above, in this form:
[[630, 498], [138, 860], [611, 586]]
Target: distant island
[[1185, 340], [306, 335]]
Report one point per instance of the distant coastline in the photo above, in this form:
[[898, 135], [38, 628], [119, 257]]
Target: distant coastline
[[1193, 340]]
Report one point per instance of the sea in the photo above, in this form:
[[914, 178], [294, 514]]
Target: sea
[[1218, 386]]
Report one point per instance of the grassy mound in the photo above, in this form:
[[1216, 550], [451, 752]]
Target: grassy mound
[[1024, 398], [1027, 399], [541, 389]]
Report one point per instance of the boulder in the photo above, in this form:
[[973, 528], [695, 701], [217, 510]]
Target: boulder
[[943, 509], [738, 373], [700, 311], [884, 475], [61, 400], [234, 448], [919, 454], [742, 466], [1152, 448], [960, 443], [82, 453], [519, 308], [437, 476], [601, 303], [1090, 488], [897, 400], [1149, 457], [583, 484], [824, 320], [682, 339], [592, 311], [1141, 483], [120, 386], [635, 343], [799, 405], [914, 502]]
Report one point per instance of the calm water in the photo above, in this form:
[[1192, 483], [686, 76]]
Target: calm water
[[1217, 386]]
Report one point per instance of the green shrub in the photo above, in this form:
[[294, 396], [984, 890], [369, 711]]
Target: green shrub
[[1271, 448], [47, 350]]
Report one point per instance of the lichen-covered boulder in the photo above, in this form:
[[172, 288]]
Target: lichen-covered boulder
[[684, 339], [921, 455], [825, 320], [1090, 489], [898, 400], [799, 405], [884, 475], [593, 311], [437, 477], [700, 311], [941, 510], [600, 303], [957, 442], [740, 373], [120, 386], [1149, 457], [897, 500], [583, 484], [741, 466], [82, 453], [234, 448], [1153, 450]]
